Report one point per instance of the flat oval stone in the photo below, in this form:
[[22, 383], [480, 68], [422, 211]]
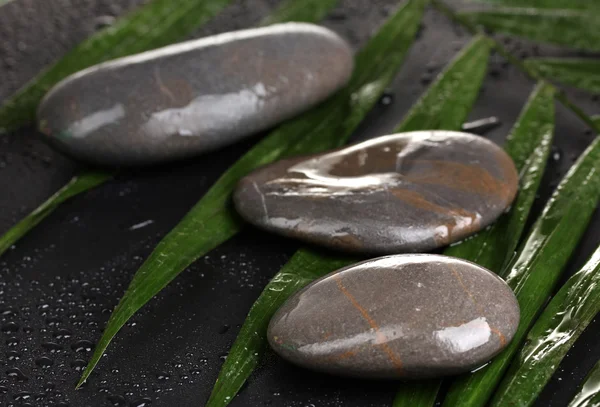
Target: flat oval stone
[[405, 192], [194, 96], [404, 316]]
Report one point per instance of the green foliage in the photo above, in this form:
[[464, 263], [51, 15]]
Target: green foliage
[[589, 393], [556, 330], [582, 73], [536, 269], [569, 28]]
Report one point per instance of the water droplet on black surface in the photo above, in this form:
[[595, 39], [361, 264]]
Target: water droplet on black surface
[[62, 334], [22, 396], [140, 403], [78, 364], [8, 313], [52, 347], [556, 153], [224, 329], [162, 376], [13, 355], [44, 361], [12, 342], [82, 346], [3, 390], [16, 373]]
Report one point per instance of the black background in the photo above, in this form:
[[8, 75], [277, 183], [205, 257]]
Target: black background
[[69, 273]]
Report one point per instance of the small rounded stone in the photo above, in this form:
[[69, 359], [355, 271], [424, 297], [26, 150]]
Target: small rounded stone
[[405, 192], [195, 96], [405, 316]]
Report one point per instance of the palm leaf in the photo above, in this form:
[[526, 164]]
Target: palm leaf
[[528, 145], [539, 264], [570, 28], [442, 105], [76, 185], [156, 24], [417, 394], [589, 393], [212, 220], [300, 11], [555, 331], [581, 73]]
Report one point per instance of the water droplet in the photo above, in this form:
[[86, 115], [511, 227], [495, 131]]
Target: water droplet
[[8, 312], [162, 376], [44, 361], [82, 346], [3, 390], [224, 329], [12, 342], [52, 347], [141, 403], [556, 153], [13, 355], [78, 364], [386, 99], [62, 334], [53, 321], [22, 396], [16, 373]]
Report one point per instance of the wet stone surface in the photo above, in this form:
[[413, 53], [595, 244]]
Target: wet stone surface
[[404, 316], [195, 96], [401, 193]]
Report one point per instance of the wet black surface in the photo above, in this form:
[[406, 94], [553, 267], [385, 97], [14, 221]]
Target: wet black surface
[[60, 283]]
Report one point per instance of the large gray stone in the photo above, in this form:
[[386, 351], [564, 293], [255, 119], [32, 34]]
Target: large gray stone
[[401, 193], [403, 316], [195, 96]]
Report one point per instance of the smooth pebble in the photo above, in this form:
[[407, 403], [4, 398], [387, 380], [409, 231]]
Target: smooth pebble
[[404, 316], [195, 96], [405, 192]]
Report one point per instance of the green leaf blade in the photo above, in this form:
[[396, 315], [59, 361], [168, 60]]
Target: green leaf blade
[[582, 73], [528, 145], [417, 394], [156, 24], [306, 11], [538, 266], [307, 265], [568, 28], [554, 333], [589, 394], [76, 186], [212, 220]]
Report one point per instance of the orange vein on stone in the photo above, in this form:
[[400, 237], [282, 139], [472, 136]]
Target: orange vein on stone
[[419, 201], [381, 338], [500, 335], [161, 86]]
